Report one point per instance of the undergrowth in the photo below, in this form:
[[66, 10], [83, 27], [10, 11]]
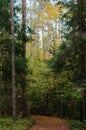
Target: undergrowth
[[20, 124], [77, 125]]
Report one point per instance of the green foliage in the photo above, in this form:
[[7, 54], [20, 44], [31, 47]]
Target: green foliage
[[40, 82], [20, 124], [76, 125], [53, 88], [4, 9]]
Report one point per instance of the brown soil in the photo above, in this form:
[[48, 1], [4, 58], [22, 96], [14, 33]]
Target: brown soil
[[49, 123]]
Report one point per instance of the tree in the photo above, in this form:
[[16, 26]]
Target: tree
[[69, 58], [5, 57], [14, 107], [24, 75]]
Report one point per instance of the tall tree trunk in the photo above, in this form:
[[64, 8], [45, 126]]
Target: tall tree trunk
[[82, 46], [24, 84], [24, 27], [30, 2], [49, 40], [43, 44], [82, 50], [14, 113], [41, 5]]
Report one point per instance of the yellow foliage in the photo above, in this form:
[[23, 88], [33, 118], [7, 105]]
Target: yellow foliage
[[41, 14], [57, 43], [41, 17], [69, 15], [52, 12]]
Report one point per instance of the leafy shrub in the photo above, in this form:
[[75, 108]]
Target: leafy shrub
[[84, 124], [20, 124], [75, 125]]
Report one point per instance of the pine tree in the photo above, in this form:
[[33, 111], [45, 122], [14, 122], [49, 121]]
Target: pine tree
[[14, 107], [24, 75]]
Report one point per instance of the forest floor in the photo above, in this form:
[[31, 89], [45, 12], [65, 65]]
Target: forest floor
[[49, 123]]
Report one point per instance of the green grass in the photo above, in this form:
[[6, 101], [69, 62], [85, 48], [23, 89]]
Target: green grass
[[20, 124]]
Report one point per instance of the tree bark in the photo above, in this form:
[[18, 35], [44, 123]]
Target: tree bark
[[24, 75], [41, 4], [24, 27], [14, 113], [82, 46]]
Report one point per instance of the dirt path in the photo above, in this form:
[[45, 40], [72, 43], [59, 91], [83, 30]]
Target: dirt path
[[49, 123]]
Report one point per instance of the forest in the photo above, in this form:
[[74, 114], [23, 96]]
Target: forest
[[42, 62]]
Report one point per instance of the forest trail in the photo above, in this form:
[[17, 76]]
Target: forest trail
[[49, 123]]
